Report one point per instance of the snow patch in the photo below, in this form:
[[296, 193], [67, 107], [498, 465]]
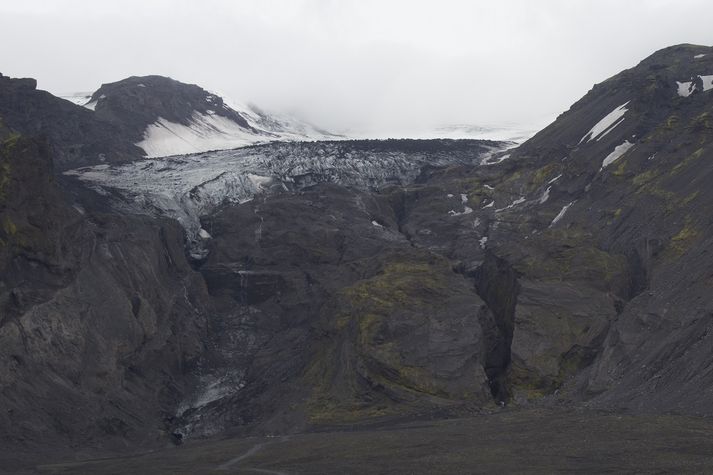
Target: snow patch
[[483, 242], [606, 124], [699, 56], [685, 88], [707, 82], [493, 160], [619, 150], [554, 179], [205, 132], [204, 234], [489, 205], [466, 209], [518, 201], [546, 195], [561, 214], [375, 223]]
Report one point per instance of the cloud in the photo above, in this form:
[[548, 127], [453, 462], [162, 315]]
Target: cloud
[[346, 63]]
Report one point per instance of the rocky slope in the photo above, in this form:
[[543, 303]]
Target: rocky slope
[[73, 133], [587, 247], [100, 314]]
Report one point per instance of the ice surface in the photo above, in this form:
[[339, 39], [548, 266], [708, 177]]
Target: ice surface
[[190, 186]]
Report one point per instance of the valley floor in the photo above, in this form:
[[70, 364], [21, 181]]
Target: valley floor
[[531, 441]]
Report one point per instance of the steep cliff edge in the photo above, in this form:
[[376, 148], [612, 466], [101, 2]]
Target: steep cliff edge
[[100, 315]]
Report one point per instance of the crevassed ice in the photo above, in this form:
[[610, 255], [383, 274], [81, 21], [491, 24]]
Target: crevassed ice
[[608, 123]]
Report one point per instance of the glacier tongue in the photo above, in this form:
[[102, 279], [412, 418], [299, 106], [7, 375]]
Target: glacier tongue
[[190, 186]]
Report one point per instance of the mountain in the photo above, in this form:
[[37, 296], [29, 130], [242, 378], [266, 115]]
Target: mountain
[[166, 117], [75, 136], [346, 286]]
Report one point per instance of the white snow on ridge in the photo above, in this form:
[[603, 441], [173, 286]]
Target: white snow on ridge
[[606, 124], [205, 132], [699, 56], [619, 150]]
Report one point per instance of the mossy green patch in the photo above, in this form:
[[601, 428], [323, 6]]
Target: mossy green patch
[[687, 161], [571, 254], [8, 227], [543, 174], [684, 239]]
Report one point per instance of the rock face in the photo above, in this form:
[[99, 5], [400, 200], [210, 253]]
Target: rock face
[[74, 134], [334, 316], [100, 314]]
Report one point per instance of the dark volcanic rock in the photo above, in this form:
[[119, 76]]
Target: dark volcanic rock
[[136, 102], [74, 134], [348, 321], [100, 314]]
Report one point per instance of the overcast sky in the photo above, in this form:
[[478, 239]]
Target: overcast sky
[[346, 63]]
